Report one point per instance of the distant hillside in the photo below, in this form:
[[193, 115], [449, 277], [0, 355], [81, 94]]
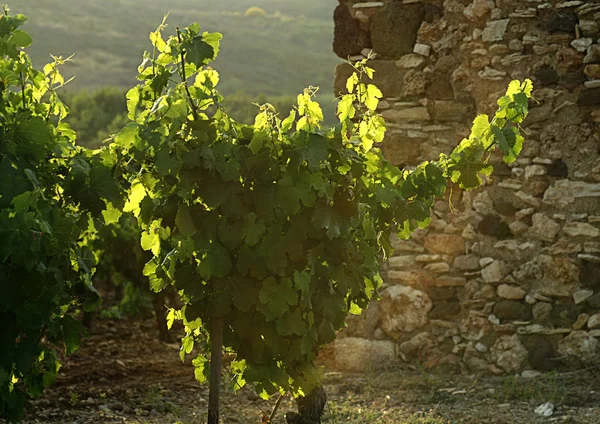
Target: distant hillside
[[278, 54]]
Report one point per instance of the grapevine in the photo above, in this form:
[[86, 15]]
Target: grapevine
[[273, 233], [50, 192]]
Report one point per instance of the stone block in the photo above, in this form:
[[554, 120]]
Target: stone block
[[411, 61], [494, 272], [365, 324], [348, 37], [561, 22], [444, 310], [594, 322], [580, 349], [581, 229], [415, 278], [448, 244], [543, 228], [511, 310], [400, 23], [507, 291], [564, 192], [559, 276], [450, 111], [509, 353], [407, 114], [449, 281], [403, 309], [401, 150], [467, 263], [593, 54], [495, 30]]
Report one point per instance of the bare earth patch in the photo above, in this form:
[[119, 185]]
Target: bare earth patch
[[123, 374]]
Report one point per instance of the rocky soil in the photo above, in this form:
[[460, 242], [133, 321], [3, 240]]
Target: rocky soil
[[123, 374]]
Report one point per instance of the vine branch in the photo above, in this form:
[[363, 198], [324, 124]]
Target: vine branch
[[184, 78]]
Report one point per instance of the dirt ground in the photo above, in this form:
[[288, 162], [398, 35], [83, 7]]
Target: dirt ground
[[123, 374]]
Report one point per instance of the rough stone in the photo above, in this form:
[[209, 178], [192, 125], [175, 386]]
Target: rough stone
[[401, 150], [541, 312], [403, 261], [507, 291], [348, 38], [493, 225], [502, 206], [564, 192], [418, 342], [398, 22], [408, 114], [414, 83], [494, 272], [422, 49], [450, 111], [561, 22], [447, 244], [589, 97], [438, 267], [467, 262], [495, 30], [559, 276], [509, 353], [511, 310], [564, 314], [589, 276], [546, 75], [518, 227], [581, 296], [592, 71], [442, 293], [542, 355], [543, 228], [416, 278], [581, 229], [593, 54], [448, 281], [534, 171], [411, 61], [594, 322], [581, 44], [478, 9], [582, 320], [588, 27], [365, 324], [440, 88], [580, 349], [483, 203], [443, 310], [359, 355], [403, 309]]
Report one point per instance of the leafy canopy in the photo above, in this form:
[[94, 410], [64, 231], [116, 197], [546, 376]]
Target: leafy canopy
[[276, 227], [50, 193]]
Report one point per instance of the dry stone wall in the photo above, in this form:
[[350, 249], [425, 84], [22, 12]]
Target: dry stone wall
[[507, 278]]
